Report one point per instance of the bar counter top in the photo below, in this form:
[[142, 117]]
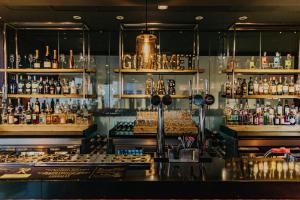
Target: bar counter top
[[216, 179]]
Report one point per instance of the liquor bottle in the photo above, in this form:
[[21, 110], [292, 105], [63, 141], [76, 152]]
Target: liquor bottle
[[36, 112], [35, 86], [244, 87], [28, 113], [58, 87], [279, 108], [47, 61], [13, 86], [266, 86], [297, 86], [52, 105], [21, 85], [73, 89], [71, 60], [238, 87], [10, 110], [250, 87], [47, 87], [291, 86], [264, 61], [285, 86], [273, 86], [66, 88], [52, 86], [292, 118], [255, 87], [261, 87], [286, 108], [48, 114], [37, 63], [18, 113], [55, 64], [279, 87], [28, 85], [41, 86], [252, 63], [288, 61], [277, 60]]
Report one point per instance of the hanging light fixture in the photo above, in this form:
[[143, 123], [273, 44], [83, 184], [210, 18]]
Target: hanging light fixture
[[146, 46]]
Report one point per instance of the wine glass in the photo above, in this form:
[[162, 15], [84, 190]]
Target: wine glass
[[11, 60], [62, 58], [18, 60], [30, 59], [82, 60]]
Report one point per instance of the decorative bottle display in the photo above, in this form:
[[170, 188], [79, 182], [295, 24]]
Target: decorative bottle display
[[264, 86], [268, 114], [46, 113], [44, 85]]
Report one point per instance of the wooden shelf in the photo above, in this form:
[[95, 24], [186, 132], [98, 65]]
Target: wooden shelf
[[48, 71], [54, 96], [266, 97], [144, 96], [159, 71], [264, 128], [47, 128], [263, 71]]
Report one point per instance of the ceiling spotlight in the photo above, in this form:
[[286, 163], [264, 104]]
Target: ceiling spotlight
[[199, 18], [119, 17], [0, 17], [162, 7], [77, 17], [242, 18]]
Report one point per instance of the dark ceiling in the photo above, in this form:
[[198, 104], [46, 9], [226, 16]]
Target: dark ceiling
[[100, 14]]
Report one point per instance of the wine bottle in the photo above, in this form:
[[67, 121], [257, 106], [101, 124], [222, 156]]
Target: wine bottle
[[35, 86], [28, 113], [28, 85], [71, 60], [36, 63], [55, 64], [47, 61]]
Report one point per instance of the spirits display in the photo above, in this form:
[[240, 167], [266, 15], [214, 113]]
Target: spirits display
[[268, 114], [263, 86], [46, 61], [68, 112], [45, 85]]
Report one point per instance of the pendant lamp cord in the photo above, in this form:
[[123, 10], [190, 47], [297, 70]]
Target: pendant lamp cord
[[146, 15]]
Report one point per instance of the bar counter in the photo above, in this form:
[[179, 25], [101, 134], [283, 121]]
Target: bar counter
[[163, 180]]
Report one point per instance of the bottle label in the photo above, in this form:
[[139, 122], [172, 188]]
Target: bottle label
[[255, 88], [277, 122], [279, 89], [261, 89], [47, 64], [291, 89], [54, 65], [37, 65], [274, 89], [285, 89], [288, 64]]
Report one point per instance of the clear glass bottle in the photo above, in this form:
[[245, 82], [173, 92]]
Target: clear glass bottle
[[28, 85], [266, 86], [279, 87], [35, 86], [250, 87], [21, 85], [291, 86], [285, 86]]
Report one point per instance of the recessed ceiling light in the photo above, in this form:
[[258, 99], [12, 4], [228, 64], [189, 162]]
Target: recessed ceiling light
[[162, 7], [242, 18], [119, 17], [77, 17], [199, 18]]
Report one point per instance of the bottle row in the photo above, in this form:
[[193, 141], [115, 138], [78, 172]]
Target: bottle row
[[263, 86], [45, 113], [45, 85], [47, 61], [266, 62], [262, 114]]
